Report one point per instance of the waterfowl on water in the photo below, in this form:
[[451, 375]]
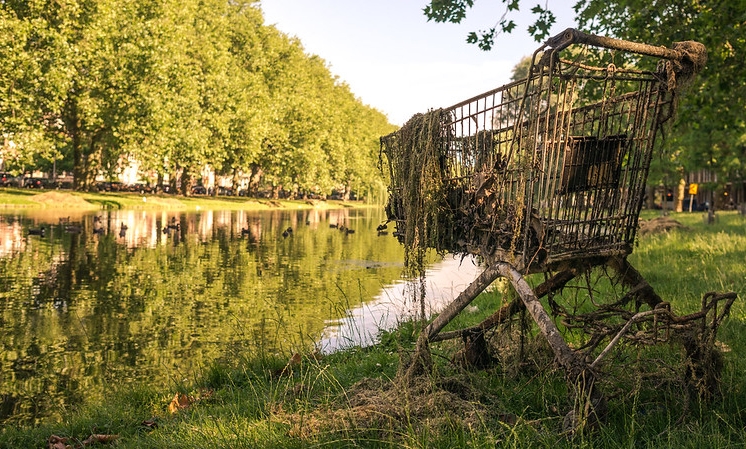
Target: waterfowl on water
[[174, 224], [73, 229], [287, 232], [98, 228], [40, 231]]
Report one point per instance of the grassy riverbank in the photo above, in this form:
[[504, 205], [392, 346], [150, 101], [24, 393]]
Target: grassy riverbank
[[353, 398], [30, 199]]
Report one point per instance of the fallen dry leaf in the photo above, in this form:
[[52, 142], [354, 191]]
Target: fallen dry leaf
[[295, 360], [99, 438], [202, 394], [179, 402], [150, 423], [55, 442]]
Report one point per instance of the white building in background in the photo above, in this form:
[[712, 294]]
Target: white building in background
[[8, 149], [131, 174]]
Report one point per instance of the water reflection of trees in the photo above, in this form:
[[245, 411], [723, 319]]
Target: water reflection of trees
[[85, 312]]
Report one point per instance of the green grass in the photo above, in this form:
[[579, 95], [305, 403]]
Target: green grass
[[66, 199], [353, 398]]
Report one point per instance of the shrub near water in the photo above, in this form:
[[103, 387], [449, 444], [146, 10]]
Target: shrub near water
[[353, 398]]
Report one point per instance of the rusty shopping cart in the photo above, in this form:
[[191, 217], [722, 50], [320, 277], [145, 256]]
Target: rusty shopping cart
[[547, 175]]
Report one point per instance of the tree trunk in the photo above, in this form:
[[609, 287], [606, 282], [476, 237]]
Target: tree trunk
[[235, 181], [187, 180], [649, 197], [679, 196], [711, 209], [172, 180], [255, 179], [72, 123]]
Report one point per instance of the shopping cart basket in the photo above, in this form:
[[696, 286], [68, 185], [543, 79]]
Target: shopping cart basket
[[545, 169], [543, 175]]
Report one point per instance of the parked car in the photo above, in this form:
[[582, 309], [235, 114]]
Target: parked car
[[35, 183], [110, 186], [139, 187], [199, 190], [8, 180], [228, 191], [67, 185]]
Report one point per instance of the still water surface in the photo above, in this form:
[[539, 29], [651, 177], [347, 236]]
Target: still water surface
[[124, 297]]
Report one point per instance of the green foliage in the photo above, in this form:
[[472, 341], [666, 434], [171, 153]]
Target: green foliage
[[447, 11], [710, 131], [177, 86], [710, 127], [455, 11]]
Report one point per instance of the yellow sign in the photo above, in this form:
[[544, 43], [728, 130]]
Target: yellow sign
[[693, 189]]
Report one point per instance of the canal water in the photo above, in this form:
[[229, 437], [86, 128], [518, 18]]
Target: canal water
[[101, 300]]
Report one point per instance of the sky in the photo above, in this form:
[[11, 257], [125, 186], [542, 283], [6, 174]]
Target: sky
[[396, 61]]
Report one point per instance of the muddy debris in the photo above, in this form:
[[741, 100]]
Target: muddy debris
[[658, 225]]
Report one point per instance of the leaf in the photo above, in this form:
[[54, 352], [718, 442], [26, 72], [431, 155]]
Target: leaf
[[508, 26], [179, 402], [487, 39], [447, 11], [205, 393], [55, 442], [295, 360], [151, 423], [99, 438]]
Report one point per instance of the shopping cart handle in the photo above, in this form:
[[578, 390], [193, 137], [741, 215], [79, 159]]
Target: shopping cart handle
[[689, 51]]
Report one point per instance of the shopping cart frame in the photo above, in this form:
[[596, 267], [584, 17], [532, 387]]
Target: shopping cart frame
[[546, 175]]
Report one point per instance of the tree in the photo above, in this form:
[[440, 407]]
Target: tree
[[87, 59], [176, 87], [31, 85], [247, 121]]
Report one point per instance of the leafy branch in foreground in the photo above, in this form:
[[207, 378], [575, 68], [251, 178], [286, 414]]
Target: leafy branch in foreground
[[454, 11]]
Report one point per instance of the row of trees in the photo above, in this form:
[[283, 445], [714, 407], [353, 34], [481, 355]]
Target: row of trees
[[711, 126], [176, 85]]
